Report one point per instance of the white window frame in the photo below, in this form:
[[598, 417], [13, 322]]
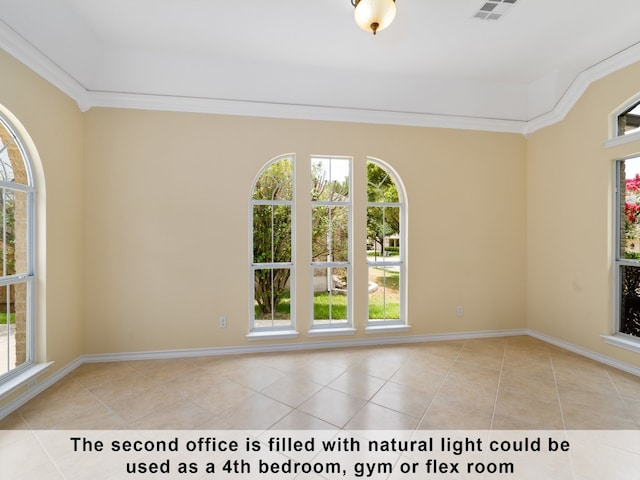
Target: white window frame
[[279, 331], [14, 377], [619, 261], [340, 326], [400, 262]]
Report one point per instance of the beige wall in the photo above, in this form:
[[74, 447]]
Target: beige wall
[[55, 126], [570, 220], [167, 224]]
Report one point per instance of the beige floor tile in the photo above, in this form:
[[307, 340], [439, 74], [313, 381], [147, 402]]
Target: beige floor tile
[[478, 389], [291, 391], [538, 384], [255, 377], [93, 374], [627, 385], [332, 406], [520, 409], [455, 413], [297, 420], [132, 384], [136, 406], [163, 371], [376, 417], [532, 372], [357, 384], [257, 412], [423, 378], [486, 352], [13, 421], [179, 415], [318, 373], [98, 417], [61, 403], [219, 396], [403, 398], [594, 379]]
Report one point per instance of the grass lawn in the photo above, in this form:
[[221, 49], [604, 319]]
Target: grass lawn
[[384, 303], [3, 318], [322, 302]]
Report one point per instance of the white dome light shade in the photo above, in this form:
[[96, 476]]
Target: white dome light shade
[[375, 15]]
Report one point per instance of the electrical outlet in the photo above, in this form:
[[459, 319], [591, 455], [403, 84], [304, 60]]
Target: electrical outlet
[[460, 310], [223, 322]]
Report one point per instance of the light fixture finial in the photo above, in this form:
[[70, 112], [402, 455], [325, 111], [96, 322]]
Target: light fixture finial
[[374, 15]]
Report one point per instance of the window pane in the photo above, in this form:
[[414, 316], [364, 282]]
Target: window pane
[[276, 182], [330, 296], [272, 299], [383, 230], [12, 163], [13, 232], [330, 234], [330, 179], [271, 233], [384, 293], [380, 185], [13, 326], [630, 300], [630, 209], [629, 121]]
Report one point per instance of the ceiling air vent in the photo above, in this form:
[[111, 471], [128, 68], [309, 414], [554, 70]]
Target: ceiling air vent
[[494, 9]]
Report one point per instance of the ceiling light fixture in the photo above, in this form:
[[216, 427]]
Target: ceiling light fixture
[[374, 15]]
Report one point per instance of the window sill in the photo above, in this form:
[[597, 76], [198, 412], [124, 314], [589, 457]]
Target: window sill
[[24, 378], [331, 332], [622, 342], [273, 335], [387, 328], [622, 140]]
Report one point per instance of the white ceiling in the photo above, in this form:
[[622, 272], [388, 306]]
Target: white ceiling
[[436, 64]]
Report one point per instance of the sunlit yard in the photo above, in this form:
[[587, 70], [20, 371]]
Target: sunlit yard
[[384, 303], [3, 318]]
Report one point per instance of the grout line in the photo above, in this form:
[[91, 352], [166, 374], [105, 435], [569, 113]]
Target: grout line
[[624, 400], [555, 383], [495, 402], [444, 380]]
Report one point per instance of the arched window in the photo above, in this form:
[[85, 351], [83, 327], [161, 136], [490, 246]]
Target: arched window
[[272, 224], [17, 200], [386, 247], [329, 233]]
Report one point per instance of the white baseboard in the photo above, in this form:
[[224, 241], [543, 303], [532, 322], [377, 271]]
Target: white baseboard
[[39, 388], [291, 347], [586, 353]]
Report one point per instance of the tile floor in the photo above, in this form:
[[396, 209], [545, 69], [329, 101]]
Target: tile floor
[[495, 383]]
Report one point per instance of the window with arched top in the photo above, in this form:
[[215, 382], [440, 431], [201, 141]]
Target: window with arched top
[[327, 238], [272, 245], [17, 200], [385, 245]]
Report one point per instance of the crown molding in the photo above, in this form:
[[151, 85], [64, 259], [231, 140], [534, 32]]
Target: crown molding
[[579, 86], [19, 48], [16, 46], [299, 112]]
